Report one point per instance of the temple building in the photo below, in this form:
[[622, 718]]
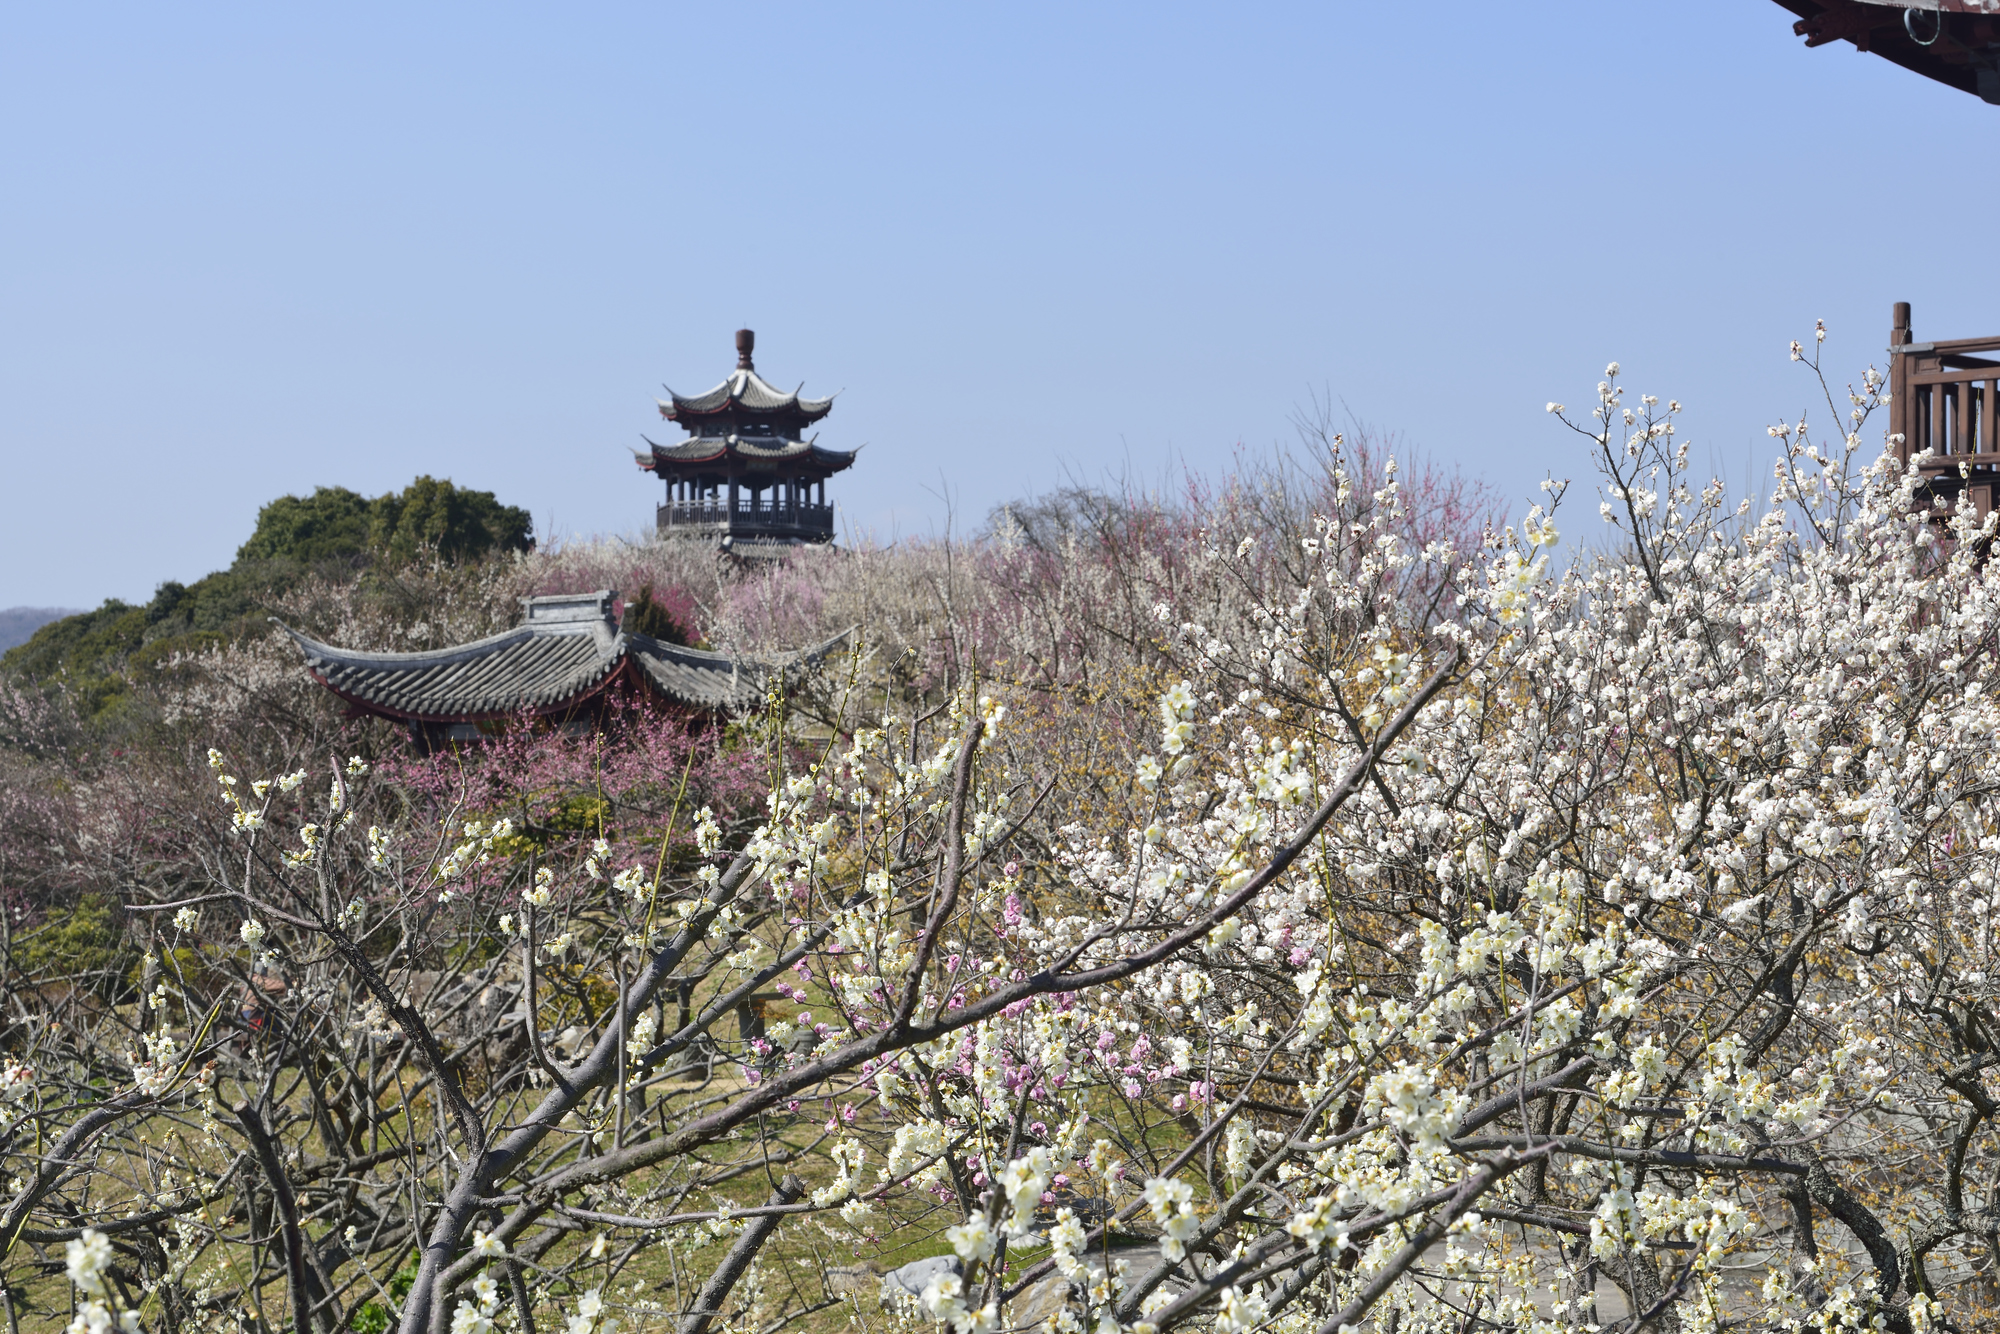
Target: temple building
[[747, 477], [560, 664]]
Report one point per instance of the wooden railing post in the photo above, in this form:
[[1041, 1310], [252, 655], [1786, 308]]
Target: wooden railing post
[[1944, 397], [1902, 417]]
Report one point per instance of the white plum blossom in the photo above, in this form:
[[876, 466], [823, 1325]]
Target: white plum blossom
[[1421, 937]]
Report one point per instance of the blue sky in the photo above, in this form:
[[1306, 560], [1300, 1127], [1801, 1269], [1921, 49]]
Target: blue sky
[[252, 249]]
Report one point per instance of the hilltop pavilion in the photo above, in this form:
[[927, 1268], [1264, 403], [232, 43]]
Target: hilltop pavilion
[[747, 477]]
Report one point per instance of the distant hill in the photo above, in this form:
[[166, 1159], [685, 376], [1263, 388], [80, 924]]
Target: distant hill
[[18, 623], [333, 529]]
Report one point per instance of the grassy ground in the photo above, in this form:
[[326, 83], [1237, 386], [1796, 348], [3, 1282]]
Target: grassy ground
[[814, 1269]]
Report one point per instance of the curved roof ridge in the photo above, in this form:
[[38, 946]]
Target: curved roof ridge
[[747, 390], [443, 657], [539, 668], [715, 657], [649, 643], [719, 679], [813, 656]]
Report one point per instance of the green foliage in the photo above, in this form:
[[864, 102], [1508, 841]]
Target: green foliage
[[331, 524], [437, 516], [573, 995], [644, 616], [581, 813], [373, 1317], [179, 966], [84, 944], [84, 645], [98, 654], [428, 515]]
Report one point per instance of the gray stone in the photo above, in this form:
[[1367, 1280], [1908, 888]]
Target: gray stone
[[841, 1279], [904, 1286], [1035, 1308]]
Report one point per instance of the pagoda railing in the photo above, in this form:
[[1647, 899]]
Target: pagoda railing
[[1945, 397], [767, 518]]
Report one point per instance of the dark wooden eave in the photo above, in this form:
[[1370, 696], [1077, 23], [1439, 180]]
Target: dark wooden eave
[[1964, 54], [716, 457]]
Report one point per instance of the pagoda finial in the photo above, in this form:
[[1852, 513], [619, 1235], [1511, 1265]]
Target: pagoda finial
[[746, 340]]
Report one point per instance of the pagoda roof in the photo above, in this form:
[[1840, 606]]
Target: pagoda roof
[[567, 650], [701, 449], [744, 391]]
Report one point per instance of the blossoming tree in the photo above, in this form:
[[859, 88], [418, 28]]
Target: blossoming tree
[[1470, 944]]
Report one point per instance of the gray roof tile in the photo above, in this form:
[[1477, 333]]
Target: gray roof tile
[[563, 652], [700, 449], [745, 390]]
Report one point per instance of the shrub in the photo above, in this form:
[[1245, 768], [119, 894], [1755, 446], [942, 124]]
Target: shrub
[[85, 944]]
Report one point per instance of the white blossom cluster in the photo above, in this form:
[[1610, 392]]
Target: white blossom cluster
[[1432, 938], [1699, 857]]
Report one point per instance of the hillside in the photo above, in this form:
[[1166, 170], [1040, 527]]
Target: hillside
[[18, 624], [334, 531]]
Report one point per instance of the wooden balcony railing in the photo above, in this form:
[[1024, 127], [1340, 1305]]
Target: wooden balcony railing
[[1945, 397], [752, 519]]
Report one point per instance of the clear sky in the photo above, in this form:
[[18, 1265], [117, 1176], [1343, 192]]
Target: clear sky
[[248, 249]]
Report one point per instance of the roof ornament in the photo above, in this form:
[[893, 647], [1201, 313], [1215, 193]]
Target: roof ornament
[[746, 341]]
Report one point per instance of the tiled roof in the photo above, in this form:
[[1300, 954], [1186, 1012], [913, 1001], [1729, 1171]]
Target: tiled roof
[[747, 391], [566, 650], [749, 448]]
